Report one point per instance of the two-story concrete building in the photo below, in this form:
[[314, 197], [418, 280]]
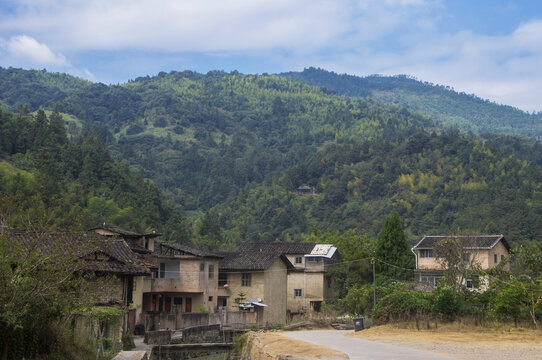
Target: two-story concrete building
[[185, 280], [255, 278], [483, 251]]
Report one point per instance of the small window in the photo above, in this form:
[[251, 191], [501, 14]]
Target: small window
[[211, 271], [162, 272], [222, 278], [177, 300], [297, 293], [246, 279], [466, 257], [298, 260], [469, 284], [202, 267], [427, 253], [210, 298], [502, 257], [495, 258]]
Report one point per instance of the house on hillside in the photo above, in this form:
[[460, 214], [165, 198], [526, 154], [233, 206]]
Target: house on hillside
[[305, 190], [483, 251], [255, 278], [185, 280]]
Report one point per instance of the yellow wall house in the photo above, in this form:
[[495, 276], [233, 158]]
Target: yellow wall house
[[254, 278], [482, 251], [185, 280], [309, 284]]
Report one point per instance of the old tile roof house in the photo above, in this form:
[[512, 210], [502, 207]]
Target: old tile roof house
[[258, 267], [261, 274], [486, 251]]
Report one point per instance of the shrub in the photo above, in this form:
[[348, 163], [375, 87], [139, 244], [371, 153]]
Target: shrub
[[447, 303], [401, 304]]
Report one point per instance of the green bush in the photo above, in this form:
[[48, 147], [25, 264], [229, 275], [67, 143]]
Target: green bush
[[447, 303], [401, 304], [127, 342]]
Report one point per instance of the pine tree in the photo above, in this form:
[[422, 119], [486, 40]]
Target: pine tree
[[393, 250]]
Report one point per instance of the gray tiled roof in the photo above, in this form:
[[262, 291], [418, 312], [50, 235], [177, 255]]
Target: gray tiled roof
[[123, 232], [469, 241], [120, 259], [260, 256], [187, 250]]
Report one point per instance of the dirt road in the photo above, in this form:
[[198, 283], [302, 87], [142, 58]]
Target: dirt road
[[361, 349]]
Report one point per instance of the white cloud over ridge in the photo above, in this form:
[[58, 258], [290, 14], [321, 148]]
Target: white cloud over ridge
[[355, 36]]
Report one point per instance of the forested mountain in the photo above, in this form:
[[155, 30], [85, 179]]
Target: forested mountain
[[451, 108], [48, 180], [230, 149]]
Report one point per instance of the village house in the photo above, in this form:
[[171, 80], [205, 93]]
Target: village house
[[257, 266], [483, 251], [185, 280], [109, 259], [309, 283], [255, 278]]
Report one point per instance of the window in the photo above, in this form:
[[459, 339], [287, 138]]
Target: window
[[246, 279], [427, 253], [298, 260], [469, 284], [466, 257], [297, 293], [202, 267], [313, 259], [222, 278], [162, 272], [177, 301], [188, 306], [210, 298], [211, 271], [495, 258], [502, 257]]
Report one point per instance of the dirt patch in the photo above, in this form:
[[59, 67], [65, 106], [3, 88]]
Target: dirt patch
[[298, 349], [462, 342]]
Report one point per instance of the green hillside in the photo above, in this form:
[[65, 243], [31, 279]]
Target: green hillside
[[451, 108], [230, 149]]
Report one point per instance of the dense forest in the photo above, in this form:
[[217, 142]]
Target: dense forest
[[228, 150], [453, 109], [50, 180]]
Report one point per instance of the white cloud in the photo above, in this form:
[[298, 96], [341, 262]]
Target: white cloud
[[206, 25], [29, 50]]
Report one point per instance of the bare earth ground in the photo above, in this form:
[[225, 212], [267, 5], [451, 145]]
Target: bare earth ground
[[297, 348], [462, 342]]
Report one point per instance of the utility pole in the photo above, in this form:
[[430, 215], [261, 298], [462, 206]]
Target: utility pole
[[374, 279]]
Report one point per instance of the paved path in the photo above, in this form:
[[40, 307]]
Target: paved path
[[361, 349]]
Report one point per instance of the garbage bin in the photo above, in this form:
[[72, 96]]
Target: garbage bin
[[358, 324]]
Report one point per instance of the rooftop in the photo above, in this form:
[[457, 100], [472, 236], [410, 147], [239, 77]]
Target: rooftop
[[471, 242]]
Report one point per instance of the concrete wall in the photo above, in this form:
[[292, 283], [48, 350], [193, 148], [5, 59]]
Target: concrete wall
[[256, 290], [313, 287], [275, 296]]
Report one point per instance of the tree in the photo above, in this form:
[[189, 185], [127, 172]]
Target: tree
[[42, 282], [392, 249], [458, 263]]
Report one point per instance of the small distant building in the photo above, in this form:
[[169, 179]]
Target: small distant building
[[305, 190], [486, 251]]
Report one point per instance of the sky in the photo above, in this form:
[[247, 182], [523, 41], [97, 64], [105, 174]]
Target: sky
[[490, 48]]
